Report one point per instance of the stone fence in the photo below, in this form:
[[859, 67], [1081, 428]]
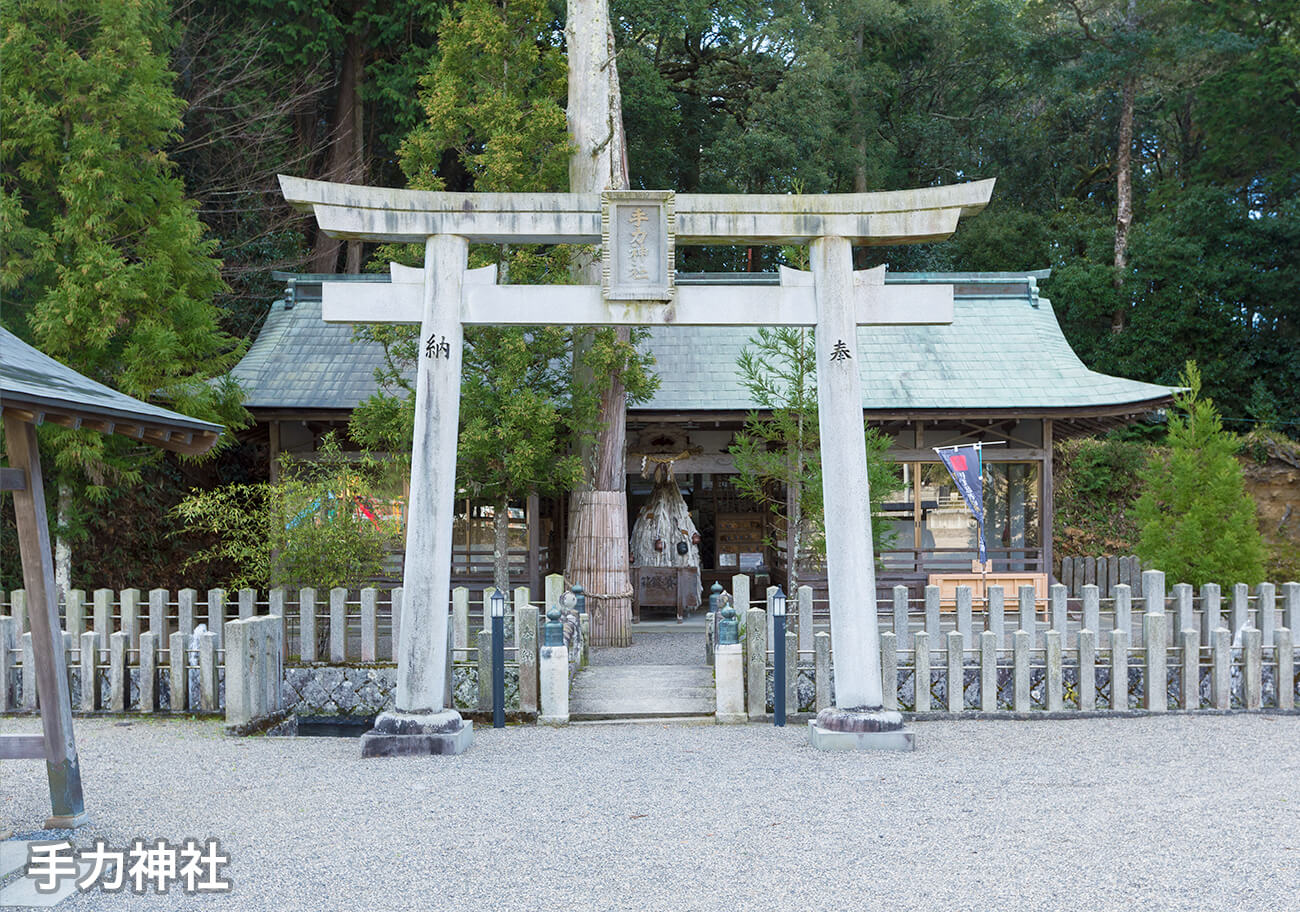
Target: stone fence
[[1010, 658], [171, 652]]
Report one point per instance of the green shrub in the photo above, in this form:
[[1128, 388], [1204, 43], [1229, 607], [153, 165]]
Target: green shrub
[[1197, 522], [306, 529]]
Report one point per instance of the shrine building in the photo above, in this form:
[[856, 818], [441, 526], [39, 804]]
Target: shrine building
[[1001, 371]]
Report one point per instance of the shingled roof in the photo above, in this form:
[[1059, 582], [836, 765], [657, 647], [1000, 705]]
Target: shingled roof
[[1004, 352], [42, 389]]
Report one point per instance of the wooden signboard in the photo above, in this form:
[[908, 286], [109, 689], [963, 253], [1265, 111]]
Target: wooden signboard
[[665, 587]]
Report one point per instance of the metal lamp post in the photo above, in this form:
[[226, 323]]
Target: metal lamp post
[[498, 603], [778, 679]]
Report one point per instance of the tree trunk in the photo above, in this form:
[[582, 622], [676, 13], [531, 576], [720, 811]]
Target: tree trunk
[[501, 546], [62, 548], [597, 554], [1124, 178], [346, 153], [1124, 196], [860, 130], [666, 519]]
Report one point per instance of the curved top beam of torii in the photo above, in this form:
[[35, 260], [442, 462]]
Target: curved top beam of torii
[[384, 214]]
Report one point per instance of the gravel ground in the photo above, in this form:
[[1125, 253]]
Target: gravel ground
[[1174, 812], [655, 648]]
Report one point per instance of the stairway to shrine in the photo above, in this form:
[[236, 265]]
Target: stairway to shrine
[[662, 675]]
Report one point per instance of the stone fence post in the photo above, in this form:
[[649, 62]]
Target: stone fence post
[[728, 671], [554, 670], [253, 670]]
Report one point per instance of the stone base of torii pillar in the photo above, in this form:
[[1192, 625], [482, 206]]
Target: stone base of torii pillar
[[398, 734], [860, 729]]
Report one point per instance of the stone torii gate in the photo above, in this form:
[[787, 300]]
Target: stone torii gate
[[638, 231]]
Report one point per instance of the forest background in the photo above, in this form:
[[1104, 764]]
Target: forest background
[[1147, 151]]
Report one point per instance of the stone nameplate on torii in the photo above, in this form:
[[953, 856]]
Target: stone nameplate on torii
[[640, 231]]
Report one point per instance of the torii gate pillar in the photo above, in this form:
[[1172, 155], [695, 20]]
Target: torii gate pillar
[[422, 721], [858, 719]]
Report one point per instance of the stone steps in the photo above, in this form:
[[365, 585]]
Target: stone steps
[[627, 692]]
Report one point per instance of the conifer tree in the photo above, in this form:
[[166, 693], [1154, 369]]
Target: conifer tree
[[104, 263], [1197, 522]]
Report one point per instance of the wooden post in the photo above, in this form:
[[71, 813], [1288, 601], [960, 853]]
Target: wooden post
[[1048, 510], [532, 511], [62, 767]]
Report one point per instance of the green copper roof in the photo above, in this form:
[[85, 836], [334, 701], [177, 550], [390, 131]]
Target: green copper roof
[[1004, 350]]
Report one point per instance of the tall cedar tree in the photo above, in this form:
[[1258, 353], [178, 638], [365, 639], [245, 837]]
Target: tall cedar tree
[[778, 452], [492, 106], [104, 263], [1197, 523]]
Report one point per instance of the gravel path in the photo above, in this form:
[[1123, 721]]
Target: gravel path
[[1155, 813], [654, 648]]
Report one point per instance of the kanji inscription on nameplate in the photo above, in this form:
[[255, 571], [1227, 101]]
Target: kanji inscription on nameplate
[[638, 229]]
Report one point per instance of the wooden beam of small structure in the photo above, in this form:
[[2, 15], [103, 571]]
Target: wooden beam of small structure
[[22, 747], [59, 747]]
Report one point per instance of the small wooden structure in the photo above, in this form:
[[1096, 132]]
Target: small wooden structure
[[665, 587], [34, 389]]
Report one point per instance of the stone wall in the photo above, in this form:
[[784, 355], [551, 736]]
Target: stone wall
[[360, 691]]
